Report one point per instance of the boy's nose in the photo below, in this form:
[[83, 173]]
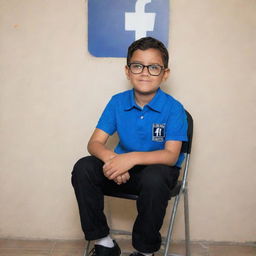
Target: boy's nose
[[145, 71]]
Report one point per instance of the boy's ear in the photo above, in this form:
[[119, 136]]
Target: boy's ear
[[127, 72], [166, 74]]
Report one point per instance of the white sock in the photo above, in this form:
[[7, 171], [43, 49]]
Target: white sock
[[105, 241], [146, 254]]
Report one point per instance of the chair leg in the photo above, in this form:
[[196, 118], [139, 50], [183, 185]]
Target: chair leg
[[186, 216], [171, 224], [86, 252]]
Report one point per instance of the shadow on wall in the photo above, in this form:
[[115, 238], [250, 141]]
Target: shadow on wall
[[112, 141]]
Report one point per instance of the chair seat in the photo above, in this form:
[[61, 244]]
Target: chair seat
[[121, 195], [175, 191]]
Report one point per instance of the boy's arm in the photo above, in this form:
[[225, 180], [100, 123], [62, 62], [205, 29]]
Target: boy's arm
[[97, 146], [121, 163], [168, 156]]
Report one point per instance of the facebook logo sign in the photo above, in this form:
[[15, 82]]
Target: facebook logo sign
[[114, 24]]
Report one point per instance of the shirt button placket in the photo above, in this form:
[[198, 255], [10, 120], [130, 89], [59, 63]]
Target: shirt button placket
[[141, 129]]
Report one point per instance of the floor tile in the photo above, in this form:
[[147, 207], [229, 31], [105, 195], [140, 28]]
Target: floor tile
[[23, 252], [69, 248], [14, 243], [180, 249], [68, 252], [70, 244], [232, 250]]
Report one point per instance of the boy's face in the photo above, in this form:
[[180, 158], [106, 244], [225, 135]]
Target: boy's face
[[144, 83]]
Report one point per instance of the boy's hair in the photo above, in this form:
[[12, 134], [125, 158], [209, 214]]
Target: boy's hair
[[145, 43]]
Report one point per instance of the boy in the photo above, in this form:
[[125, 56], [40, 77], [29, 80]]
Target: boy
[[151, 126]]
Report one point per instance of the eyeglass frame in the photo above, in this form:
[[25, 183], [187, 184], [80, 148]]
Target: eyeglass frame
[[147, 66]]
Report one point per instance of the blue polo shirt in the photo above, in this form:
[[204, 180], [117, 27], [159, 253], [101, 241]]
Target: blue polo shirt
[[144, 129]]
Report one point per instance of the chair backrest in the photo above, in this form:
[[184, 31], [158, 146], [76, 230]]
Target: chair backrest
[[186, 148], [187, 145]]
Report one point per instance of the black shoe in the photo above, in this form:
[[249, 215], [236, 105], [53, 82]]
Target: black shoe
[[100, 250], [138, 254]]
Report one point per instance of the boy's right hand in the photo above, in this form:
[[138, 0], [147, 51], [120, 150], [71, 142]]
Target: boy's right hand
[[123, 178], [118, 165]]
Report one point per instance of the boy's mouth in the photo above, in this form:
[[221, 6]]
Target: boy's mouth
[[144, 80]]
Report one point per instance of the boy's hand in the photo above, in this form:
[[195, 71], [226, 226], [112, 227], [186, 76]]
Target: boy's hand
[[122, 178], [117, 166]]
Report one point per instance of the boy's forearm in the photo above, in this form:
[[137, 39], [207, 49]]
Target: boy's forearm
[[100, 151], [164, 156]]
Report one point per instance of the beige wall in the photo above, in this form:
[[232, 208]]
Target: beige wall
[[52, 92]]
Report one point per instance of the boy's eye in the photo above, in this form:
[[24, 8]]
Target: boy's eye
[[154, 67], [137, 66]]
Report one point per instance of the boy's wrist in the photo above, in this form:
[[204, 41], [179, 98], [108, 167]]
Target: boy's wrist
[[134, 158], [109, 156]]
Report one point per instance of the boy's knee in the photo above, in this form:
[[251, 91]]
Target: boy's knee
[[155, 175], [84, 164], [86, 167], [158, 178]]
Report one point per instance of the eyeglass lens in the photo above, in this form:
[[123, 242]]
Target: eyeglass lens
[[138, 68]]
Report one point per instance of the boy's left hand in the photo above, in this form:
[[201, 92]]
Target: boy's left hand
[[122, 178], [117, 166]]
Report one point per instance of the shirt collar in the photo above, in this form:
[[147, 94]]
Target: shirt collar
[[155, 104], [131, 103], [158, 101]]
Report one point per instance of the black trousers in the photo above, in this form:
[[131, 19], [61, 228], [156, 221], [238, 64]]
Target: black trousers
[[152, 183]]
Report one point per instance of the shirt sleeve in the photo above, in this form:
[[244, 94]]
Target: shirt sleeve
[[107, 121], [177, 124]]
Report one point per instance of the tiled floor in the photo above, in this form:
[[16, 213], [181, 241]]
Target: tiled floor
[[10, 247]]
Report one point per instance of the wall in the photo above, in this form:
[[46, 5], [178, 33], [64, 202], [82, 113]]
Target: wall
[[52, 92]]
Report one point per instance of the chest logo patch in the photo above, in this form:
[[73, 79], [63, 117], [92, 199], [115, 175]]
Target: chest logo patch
[[158, 132]]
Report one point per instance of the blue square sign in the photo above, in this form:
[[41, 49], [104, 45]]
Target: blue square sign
[[114, 24]]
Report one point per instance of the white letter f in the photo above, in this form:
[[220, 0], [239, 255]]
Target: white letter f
[[139, 21]]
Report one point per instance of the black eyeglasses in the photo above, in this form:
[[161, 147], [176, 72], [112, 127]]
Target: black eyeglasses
[[153, 69]]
